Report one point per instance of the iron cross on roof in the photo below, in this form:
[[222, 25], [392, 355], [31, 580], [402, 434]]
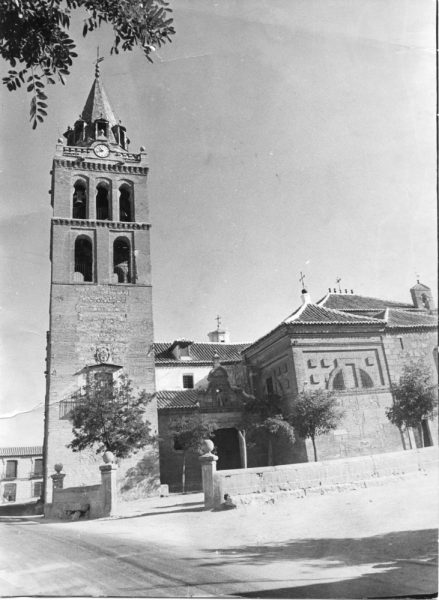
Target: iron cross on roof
[[302, 279], [218, 320]]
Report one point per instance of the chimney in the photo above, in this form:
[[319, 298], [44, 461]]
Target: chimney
[[306, 298]]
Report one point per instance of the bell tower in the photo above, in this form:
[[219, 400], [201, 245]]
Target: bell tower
[[100, 297]]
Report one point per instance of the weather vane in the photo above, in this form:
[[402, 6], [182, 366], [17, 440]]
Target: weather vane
[[338, 281], [302, 279], [97, 61], [218, 320]]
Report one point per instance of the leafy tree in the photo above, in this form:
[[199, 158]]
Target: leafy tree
[[314, 413], [110, 416], [189, 433], [262, 419], [34, 35], [414, 397]]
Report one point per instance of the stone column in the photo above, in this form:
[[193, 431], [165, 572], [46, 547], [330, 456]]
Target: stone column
[[242, 449], [208, 469], [108, 486]]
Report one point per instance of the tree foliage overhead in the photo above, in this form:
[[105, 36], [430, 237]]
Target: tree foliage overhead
[[34, 38], [414, 397], [314, 413], [110, 416]]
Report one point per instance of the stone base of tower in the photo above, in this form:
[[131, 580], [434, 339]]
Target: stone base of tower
[[97, 326]]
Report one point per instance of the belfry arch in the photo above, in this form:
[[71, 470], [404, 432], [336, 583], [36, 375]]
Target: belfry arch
[[79, 204], [126, 203], [122, 260], [83, 258], [103, 201]]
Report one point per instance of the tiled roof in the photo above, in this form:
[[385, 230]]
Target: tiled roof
[[21, 451], [199, 352], [353, 303], [311, 314], [406, 319], [177, 399], [420, 286]]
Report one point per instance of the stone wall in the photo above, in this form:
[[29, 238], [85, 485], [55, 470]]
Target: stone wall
[[299, 480], [65, 501]]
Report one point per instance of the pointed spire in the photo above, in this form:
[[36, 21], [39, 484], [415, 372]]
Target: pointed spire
[[97, 105]]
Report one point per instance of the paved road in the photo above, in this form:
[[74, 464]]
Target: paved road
[[370, 543], [52, 560]]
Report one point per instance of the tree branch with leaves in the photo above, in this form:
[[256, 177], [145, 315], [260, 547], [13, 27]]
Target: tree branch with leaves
[[34, 38], [110, 415], [414, 397], [314, 413]]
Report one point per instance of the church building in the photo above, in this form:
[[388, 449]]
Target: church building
[[100, 296]]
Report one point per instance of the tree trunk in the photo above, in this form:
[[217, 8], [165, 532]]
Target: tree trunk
[[242, 448], [183, 474], [270, 453], [314, 446], [402, 438], [421, 432], [410, 438]]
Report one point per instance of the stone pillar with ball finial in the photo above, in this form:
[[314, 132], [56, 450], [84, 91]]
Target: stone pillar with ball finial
[[208, 468], [108, 486], [58, 477]]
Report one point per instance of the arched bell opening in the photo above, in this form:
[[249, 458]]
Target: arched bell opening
[[79, 210], [126, 212], [83, 259], [122, 260], [103, 205]]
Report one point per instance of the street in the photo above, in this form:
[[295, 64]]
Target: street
[[374, 542]]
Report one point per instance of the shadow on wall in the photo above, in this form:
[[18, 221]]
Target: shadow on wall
[[402, 564], [143, 479]]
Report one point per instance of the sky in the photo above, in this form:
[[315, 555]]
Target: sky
[[282, 136]]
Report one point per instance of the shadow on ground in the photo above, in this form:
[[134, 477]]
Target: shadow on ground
[[405, 563]]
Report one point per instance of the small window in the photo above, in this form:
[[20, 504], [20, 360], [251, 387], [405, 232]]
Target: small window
[[38, 467], [11, 469], [177, 444], [103, 379], [184, 351], [10, 492], [269, 385], [37, 489], [188, 382]]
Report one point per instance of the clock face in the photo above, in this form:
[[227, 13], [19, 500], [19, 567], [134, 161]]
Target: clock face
[[101, 150]]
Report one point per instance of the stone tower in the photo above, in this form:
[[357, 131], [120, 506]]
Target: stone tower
[[100, 298]]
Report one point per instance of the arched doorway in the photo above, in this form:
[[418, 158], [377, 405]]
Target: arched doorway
[[227, 447]]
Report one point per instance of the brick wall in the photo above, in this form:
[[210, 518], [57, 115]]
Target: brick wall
[[84, 318]]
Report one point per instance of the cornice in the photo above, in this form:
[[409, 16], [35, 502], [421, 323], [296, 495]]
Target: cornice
[[106, 167], [87, 223]]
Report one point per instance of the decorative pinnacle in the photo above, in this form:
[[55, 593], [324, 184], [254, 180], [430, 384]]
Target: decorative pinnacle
[[218, 320], [97, 61], [302, 281]]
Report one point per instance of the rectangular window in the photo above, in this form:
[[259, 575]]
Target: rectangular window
[[188, 382], [269, 385], [10, 492], [11, 469], [37, 489], [38, 467]]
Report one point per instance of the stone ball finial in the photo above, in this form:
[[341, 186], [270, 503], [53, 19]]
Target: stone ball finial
[[207, 446], [108, 457], [58, 467], [142, 148]]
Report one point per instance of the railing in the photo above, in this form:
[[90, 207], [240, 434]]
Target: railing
[[35, 474], [81, 151], [66, 407]]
